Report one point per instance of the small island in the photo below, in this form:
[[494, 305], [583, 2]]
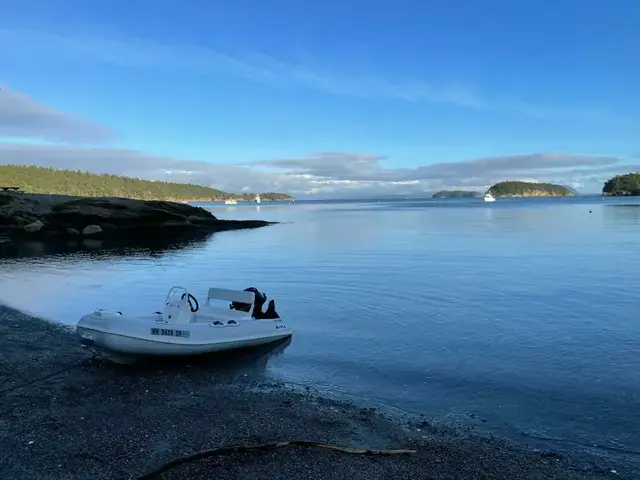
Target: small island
[[456, 194], [528, 189], [627, 185]]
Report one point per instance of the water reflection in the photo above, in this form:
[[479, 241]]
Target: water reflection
[[230, 208], [239, 211], [433, 309], [622, 214], [489, 214], [153, 246], [247, 362]]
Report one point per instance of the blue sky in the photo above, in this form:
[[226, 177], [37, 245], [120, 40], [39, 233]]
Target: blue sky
[[324, 97]]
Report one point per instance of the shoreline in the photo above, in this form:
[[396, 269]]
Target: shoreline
[[25, 217], [97, 420]]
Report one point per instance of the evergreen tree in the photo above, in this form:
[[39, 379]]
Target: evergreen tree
[[622, 185]]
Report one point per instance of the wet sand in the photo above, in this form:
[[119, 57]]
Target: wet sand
[[96, 420]]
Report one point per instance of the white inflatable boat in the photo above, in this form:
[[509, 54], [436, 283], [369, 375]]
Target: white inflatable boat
[[186, 328]]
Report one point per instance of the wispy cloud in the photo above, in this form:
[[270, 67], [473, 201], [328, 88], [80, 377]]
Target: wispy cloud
[[24, 117], [132, 52]]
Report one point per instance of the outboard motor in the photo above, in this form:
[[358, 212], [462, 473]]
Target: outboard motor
[[271, 310], [260, 300]]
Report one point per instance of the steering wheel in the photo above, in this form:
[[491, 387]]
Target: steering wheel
[[189, 298]]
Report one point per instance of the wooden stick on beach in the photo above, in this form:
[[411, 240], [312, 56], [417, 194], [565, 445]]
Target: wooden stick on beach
[[266, 446]]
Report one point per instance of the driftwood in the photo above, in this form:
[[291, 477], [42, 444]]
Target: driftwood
[[265, 446]]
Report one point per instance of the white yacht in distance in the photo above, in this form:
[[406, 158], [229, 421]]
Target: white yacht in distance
[[257, 199], [230, 201], [489, 198]]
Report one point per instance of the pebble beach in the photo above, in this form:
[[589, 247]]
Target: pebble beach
[[67, 414]]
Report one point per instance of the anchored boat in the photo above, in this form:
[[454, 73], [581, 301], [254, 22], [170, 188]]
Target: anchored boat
[[186, 328]]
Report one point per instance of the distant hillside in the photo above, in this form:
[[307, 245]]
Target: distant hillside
[[528, 189], [34, 179], [622, 185], [456, 194], [572, 190]]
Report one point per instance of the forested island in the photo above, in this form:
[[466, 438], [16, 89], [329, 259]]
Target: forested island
[[32, 179], [528, 189], [626, 185], [456, 194]]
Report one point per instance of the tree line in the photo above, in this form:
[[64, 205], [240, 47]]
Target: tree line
[[456, 194], [622, 185], [34, 179]]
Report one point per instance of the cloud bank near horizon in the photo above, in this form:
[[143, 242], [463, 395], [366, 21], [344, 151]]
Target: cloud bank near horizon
[[321, 174]]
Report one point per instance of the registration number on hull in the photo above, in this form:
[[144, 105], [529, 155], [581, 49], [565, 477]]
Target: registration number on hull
[[169, 332]]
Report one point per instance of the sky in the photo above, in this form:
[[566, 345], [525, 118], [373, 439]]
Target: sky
[[324, 99]]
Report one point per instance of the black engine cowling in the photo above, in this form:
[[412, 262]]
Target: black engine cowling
[[260, 300]]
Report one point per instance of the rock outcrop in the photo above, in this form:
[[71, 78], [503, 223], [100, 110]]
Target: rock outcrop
[[37, 216], [34, 227]]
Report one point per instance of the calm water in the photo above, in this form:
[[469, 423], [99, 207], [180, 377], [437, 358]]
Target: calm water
[[518, 316]]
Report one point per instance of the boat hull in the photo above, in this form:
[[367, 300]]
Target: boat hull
[[142, 336]]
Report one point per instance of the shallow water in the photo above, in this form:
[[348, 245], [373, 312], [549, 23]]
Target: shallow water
[[520, 315]]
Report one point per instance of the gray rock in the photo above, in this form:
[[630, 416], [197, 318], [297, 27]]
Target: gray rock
[[123, 212], [91, 230], [34, 227], [64, 215]]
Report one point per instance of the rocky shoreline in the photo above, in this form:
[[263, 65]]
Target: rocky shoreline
[[532, 194], [66, 415], [37, 216]]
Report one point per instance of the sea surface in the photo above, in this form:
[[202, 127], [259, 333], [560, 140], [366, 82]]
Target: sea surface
[[520, 317]]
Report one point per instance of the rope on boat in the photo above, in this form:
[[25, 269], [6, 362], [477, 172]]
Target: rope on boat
[[84, 362], [265, 446]]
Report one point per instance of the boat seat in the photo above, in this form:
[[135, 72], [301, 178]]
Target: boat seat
[[240, 296], [214, 310]]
